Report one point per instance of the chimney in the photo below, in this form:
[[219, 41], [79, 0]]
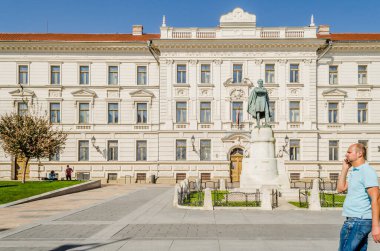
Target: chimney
[[137, 30], [324, 30]]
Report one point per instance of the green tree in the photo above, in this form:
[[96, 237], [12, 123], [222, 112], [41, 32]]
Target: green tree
[[30, 137]]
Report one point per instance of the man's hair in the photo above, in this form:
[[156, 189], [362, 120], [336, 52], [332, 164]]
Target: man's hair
[[361, 148]]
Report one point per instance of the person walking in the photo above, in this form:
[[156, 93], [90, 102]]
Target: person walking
[[68, 171], [360, 207]]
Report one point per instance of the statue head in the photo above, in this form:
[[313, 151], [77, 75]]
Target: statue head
[[260, 82]]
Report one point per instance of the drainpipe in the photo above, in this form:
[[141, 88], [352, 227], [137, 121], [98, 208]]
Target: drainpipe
[[327, 49]]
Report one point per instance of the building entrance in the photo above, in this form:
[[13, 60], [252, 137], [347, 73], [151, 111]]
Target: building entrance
[[20, 163], [236, 158]]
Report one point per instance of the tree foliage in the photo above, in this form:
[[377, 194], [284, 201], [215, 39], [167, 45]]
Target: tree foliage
[[30, 137]]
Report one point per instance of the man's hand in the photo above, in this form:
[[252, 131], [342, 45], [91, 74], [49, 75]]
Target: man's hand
[[376, 234], [346, 164]]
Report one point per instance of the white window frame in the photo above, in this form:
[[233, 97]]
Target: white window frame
[[290, 73], [108, 148], [89, 112], [175, 151], [300, 148], [360, 80], [60, 111], [186, 72], [300, 110], [78, 150], [205, 101], [89, 74], [147, 147], [118, 112], [146, 72], [337, 74], [242, 72], [274, 73], [108, 74], [200, 149], [187, 111], [338, 152], [200, 73], [338, 112], [18, 73], [50, 74]]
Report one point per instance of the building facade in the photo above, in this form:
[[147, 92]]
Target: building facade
[[174, 104]]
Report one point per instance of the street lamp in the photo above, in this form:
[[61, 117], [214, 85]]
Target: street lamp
[[281, 151], [193, 143], [93, 140]]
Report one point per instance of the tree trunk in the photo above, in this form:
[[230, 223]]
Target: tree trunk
[[24, 169]]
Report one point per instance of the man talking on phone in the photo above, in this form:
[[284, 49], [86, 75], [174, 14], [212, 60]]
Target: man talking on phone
[[360, 207]]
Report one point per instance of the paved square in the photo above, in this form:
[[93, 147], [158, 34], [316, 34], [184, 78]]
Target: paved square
[[144, 219]]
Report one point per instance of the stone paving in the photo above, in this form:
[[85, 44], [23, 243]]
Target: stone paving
[[143, 218]]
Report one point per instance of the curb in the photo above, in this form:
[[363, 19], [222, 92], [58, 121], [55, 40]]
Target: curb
[[63, 191]]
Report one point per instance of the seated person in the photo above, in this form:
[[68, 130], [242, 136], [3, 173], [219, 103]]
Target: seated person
[[52, 175]]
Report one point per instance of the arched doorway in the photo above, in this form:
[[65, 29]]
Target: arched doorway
[[236, 158]]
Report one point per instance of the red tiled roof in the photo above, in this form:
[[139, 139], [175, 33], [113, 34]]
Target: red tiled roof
[[76, 37], [352, 36]]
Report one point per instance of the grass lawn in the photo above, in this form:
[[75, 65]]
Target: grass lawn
[[15, 190]]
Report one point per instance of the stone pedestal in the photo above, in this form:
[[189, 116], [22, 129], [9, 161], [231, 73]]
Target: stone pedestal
[[260, 168]]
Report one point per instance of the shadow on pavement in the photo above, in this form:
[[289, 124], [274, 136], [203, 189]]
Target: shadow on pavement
[[86, 246]]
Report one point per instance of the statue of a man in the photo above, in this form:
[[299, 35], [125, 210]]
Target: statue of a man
[[258, 104]]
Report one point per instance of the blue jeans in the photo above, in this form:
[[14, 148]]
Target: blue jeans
[[354, 234]]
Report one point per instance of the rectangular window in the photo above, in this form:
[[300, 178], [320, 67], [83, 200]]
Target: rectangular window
[[294, 73], [333, 149], [84, 75], [205, 73], [55, 112], [333, 74], [237, 112], [22, 108], [142, 113], [23, 74], [141, 75], [181, 112], [333, 113], [362, 112], [205, 112], [113, 75], [237, 73], [83, 151], [112, 150], [269, 73], [141, 154], [84, 113], [272, 110], [364, 143], [181, 73], [334, 176], [180, 149], [205, 149], [294, 111], [294, 152], [113, 113], [362, 74], [54, 157], [55, 75]]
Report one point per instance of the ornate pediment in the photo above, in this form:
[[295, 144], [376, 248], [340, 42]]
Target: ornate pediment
[[334, 93], [237, 137], [142, 93], [22, 93], [238, 17], [84, 93], [237, 94]]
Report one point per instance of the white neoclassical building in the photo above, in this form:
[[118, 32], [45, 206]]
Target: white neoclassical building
[[174, 104]]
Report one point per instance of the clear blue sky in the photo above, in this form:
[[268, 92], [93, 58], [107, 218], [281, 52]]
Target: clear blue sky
[[118, 16]]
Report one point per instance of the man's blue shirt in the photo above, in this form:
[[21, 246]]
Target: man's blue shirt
[[358, 202]]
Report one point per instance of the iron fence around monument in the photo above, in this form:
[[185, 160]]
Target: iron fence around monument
[[210, 184], [331, 199], [232, 185], [303, 198], [328, 185], [236, 199], [193, 196], [301, 184], [274, 196]]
